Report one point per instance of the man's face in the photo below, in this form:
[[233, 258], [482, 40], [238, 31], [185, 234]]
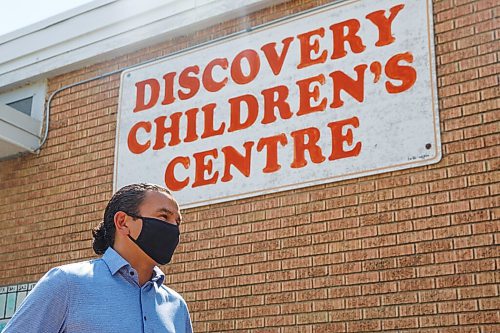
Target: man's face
[[159, 205], [162, 206]]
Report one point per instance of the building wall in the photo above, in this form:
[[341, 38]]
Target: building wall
[[410, 250]]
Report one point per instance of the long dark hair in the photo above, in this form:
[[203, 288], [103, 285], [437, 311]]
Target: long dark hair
[[127, 199]]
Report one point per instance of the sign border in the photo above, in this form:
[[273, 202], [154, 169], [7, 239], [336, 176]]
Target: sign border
[[396, 167]]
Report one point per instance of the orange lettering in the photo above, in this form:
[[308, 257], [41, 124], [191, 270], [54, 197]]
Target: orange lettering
[[384, 24], [271, 103], [253, 110], [305, 95], [169, 88], [355, 88], [300, 146], [133, 145], [208, 117], [241, 162], [208, 80], [191, 134], [406, 74], [253, 62], [140, 102], [339, 38], [306, 47], [201, 167], [189, 82], [271, 144], [162, 130], [338, 139], [170, 181], [276, 61]]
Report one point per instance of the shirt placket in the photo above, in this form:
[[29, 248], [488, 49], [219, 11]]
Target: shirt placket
[[130, 274], [147, 320]]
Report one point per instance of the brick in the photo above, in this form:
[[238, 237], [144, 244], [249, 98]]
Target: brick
[[472, 19], [438, 320], [359, 278], [379, 288], [378, 241], [399, 298], [476, 266], [473, 241], [400, 323], [296, 308], [415, 260], [475, 40], [344, 315], [361, 232], [378, 218], [417, 309], [455, 281], [490, 328], [362, 302], [310, 207], [448, 184], [434, 246], [489, 304], [437, 295], [378, 264], [296, 263], [396, 227], [249, 323], [431, 222], [487, 252], [344, 291], [317, 294], [457, 306], [415, 236], [489, 202], [435, 270], [482, 178], [452, 207], [397, 274], [380, 312], [477, 292], [417, 284], [364, 326], [326, 193], [454, 255], [485, 317], [276, 298], [469, 217], [328, 327], [433, 198], [327, 215]]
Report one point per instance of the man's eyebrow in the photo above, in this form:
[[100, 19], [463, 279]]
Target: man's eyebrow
[[168, 211]]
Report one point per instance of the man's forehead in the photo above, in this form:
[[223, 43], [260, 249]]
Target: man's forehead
[[161, 200]]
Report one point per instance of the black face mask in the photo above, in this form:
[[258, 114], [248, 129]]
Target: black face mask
[[158, 239]]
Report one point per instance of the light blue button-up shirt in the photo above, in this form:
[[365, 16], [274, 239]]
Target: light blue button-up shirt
[[100, 296]]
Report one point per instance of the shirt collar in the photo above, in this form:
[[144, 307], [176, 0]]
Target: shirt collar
[[159, 276], [115, 262]]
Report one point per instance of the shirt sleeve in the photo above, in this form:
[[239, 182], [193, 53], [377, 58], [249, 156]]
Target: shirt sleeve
[[45, 308], [189, 325]]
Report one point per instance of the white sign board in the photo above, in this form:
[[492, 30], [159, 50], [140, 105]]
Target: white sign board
[[341, 92]]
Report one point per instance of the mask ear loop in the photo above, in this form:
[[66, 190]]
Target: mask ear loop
[[134, 217]]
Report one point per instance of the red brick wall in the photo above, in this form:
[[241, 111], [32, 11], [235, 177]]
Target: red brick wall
[[412, 250]]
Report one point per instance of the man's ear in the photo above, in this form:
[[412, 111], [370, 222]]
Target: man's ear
[[121, 219]]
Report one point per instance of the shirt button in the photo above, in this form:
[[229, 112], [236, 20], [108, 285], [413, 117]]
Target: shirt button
[[131, 273], [144, 317]]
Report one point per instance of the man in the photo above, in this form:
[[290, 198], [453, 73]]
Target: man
[[122, 291]]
